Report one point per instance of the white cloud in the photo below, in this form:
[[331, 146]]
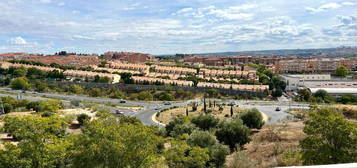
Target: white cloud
[[230, 13], [17, 41], [348, 3], [328, 6]]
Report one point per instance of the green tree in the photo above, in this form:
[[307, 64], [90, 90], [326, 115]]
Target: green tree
[[34, 73], [202, 139], [94, 92], [323, 95], [304, 95], [49, 105], [81, 118], [20, 72], [145, 95], [218, 154], [110, 143], [330, 138], [252, 118], [233, 132], [40, 86], [342, 71], [167, 97], [345, 99], [205, 121], [76, 89], [20, 83], [182, 155]]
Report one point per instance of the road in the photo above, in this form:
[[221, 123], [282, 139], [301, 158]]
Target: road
[[151, 108]]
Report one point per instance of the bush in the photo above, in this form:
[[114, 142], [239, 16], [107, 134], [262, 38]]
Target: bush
[[202, 139], [252, 118], [20, 84], [81, 118], [330, 138], [205, 122], [233, 132], [145, 95], [166, 97], [218, 154]]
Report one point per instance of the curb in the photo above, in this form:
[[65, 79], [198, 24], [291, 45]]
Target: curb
[[153, 118]]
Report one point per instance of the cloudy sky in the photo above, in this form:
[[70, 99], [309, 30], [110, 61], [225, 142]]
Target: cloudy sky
[[175, 26]]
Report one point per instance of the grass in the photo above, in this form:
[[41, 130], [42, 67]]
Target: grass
[[274, 145]]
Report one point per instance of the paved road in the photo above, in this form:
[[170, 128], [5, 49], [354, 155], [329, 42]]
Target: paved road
[[151, 108]]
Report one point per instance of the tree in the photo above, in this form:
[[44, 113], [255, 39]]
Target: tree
[[345, 99], [323, 95], [233, 132], [202, 139], [304, 95], [330, 138], [34, 73], [20, 83], [76, 89], [205, 121], [81, 118], [109, 143], [252, 118], [145, 95], [40, 86], [49, 105], [182, 155], [277, 93], [20, 72], [167, 97], [95, 92], [218, 154], [213, 93], [342, 71]]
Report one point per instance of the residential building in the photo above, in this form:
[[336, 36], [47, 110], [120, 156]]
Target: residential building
[[128, 57]]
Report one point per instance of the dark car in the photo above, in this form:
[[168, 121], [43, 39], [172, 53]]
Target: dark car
[[167, 103], [122, 101], [278, 109]]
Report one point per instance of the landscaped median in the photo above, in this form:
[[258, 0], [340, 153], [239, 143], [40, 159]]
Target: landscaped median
[[221, 111]]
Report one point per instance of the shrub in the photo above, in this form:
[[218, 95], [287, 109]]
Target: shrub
[[330, 138], [167, 97], [20, 84], [202, 139], [81, 118], [233, 132], [252, 118], [205, 122]]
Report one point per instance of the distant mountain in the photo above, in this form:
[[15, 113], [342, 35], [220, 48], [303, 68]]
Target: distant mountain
[[324, 52]]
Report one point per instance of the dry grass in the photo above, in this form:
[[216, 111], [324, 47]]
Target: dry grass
[[350, 111], [166, 116], [274, 145]]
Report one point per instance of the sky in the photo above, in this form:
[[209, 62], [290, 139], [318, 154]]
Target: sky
[[175, 26]]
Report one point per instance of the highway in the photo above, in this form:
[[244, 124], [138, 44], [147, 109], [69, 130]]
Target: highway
[[151, 108]]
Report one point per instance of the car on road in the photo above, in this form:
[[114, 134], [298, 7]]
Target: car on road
[[167, 103], [122, 101], [118, 112], [278, 109], [157, 108]]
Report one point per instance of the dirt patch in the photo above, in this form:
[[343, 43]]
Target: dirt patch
[[275, 145]]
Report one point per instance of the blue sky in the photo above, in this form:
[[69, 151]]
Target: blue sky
[[175, 26]]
